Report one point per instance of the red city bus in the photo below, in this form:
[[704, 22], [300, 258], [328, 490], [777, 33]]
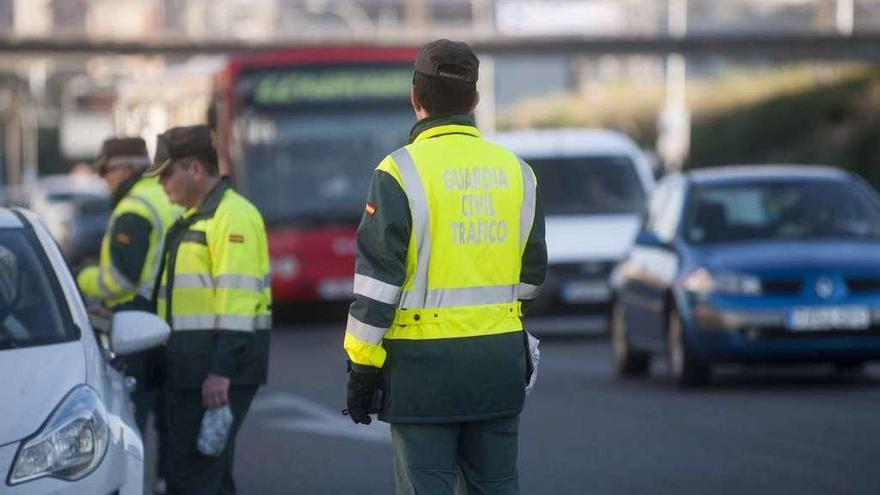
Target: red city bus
[[303, 131], [300, 132]]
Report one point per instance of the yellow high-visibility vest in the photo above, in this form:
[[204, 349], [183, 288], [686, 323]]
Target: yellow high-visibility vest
[[472, 205], [219, 269], [106, 282]]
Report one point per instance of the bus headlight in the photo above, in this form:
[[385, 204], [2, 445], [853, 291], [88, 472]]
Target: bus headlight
[[70, 445]]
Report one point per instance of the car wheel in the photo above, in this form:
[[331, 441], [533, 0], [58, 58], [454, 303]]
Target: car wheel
[[628, 362], [684, 369]]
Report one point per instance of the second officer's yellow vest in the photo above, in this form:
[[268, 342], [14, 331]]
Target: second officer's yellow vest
[[146, 199], [220, 269]]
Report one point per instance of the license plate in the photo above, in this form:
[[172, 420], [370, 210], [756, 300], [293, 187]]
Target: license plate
[[336, 289], [585, 291], [829, 318]]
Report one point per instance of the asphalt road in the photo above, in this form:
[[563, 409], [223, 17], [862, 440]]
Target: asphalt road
[[757, 431]]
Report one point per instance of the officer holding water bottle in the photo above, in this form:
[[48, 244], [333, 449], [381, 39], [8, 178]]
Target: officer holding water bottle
[[213, 290]]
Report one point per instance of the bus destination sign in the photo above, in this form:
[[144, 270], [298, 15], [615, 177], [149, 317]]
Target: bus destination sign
[[297, 87]]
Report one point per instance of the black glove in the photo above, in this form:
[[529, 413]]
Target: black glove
[[363, 384]]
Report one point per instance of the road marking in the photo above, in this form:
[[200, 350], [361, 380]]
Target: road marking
[[295, 413]]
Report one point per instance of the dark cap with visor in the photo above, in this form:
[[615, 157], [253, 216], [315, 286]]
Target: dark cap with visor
[[448, 60], [180, 142], [117, 152]]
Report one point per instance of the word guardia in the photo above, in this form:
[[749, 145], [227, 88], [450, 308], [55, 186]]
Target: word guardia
[[477, 186]]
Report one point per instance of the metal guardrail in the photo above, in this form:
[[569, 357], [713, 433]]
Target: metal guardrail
[[786, 45]]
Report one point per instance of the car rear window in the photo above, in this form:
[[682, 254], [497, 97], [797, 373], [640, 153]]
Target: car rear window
[[782, 210], [588, 185], [33, 310]]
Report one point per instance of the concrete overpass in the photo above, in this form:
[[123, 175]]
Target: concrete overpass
[[858, 46]]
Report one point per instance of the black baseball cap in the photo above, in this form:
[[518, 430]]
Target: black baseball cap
[[179, 142], [115, 152], [449, 60]]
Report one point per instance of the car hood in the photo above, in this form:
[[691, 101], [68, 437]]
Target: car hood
[[589, 237], [35, 379], [783, 255]]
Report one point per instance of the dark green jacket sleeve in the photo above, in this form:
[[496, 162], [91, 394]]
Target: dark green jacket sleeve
[[534, 260], [228, 346], [129, 244], [382, 243]]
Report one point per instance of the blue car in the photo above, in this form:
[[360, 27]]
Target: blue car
[[751, 264]]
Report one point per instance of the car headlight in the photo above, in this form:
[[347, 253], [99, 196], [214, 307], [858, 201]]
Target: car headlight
[[70, 445], [285, 267], [703, 282]]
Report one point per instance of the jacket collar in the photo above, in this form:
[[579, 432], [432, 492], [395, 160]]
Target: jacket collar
[[125, 187], [445, 124], [209, 205]]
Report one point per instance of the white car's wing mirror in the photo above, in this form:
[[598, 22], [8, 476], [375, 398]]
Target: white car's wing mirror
[[133, 331]]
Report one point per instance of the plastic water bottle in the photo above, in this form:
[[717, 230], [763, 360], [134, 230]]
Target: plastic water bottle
[[216, 424]]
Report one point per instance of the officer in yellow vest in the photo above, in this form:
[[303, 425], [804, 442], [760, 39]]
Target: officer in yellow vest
[[130, 251], [129, 261], [450, 244], [214, 292]]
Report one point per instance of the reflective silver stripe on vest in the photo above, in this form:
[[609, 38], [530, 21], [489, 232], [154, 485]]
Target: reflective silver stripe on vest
[[243, 323], [528, 291], [526, 221], [363, 332], [221, 322], [375, 289], [193, 281], [117, 277], [418, 206], [146, 289], [225, 281], [193, 322], [162, 293], [471, 296], [103, 286], [527, 210], [244, 282]]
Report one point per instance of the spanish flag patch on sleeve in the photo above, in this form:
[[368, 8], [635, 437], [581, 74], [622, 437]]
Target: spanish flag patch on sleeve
[[370, 209], [236, 238]]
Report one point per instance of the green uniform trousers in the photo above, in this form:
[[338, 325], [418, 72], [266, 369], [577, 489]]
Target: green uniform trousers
[[473, 458], [188, 472]]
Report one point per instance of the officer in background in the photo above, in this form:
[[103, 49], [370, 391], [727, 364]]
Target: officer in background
[[130, 256], [451, 243], [214, 292]]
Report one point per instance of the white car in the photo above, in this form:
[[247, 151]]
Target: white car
[[75, 209], [66, 423], [593, 184]]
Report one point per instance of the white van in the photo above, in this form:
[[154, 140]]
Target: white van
[[593, 184]]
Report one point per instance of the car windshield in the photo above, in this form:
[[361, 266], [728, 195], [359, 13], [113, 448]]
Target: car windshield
[[32, 306], [776, 210], [316, 165], [588, 185]]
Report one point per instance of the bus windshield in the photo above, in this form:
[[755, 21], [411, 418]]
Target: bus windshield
[[315, 165]]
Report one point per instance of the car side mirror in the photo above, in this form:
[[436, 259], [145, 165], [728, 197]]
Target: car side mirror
[[133, 331], [648, 238]]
